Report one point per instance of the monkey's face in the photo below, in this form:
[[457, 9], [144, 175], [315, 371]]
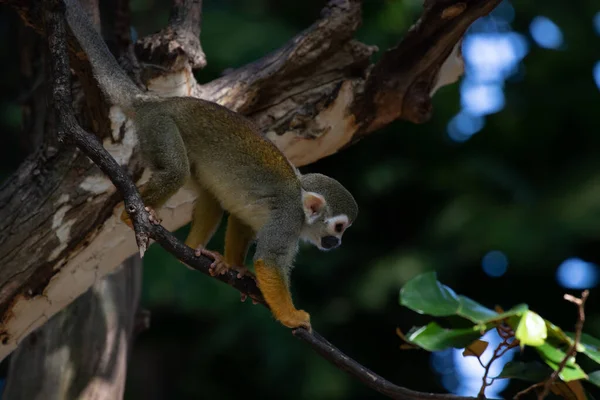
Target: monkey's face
[[326, 232]]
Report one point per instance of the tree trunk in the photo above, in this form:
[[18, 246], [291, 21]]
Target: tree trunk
[[81, 352]]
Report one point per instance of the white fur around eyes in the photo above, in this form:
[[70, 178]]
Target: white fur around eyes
[[338, 219]]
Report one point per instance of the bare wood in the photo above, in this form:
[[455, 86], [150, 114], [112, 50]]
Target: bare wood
[[58, 196], [82, 352], [402, 83], [178, 45]]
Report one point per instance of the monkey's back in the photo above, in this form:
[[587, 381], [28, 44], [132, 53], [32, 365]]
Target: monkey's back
[[247, 174]]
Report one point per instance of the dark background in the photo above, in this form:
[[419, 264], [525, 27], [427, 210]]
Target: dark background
[[508, 163]]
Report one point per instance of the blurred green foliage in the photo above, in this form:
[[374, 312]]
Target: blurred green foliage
[[528, 185]]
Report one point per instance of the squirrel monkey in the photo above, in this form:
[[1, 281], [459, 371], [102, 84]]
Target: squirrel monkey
[[232, 168]]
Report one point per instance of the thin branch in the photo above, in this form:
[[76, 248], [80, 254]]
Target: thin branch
[[86, 142], [580, 303], [547, 384], [499, 351]]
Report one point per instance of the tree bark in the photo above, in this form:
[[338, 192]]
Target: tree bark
[[81, 352]]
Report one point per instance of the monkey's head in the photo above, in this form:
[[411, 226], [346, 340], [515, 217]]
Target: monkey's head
[[329, 210]]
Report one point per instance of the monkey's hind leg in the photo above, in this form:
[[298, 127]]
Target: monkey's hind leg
[[237, 240], [165, 151], [205, 221]]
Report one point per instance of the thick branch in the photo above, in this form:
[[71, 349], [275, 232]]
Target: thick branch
[[402, 82], [320, 53], [318, 93], [70, 130], [178, 44]]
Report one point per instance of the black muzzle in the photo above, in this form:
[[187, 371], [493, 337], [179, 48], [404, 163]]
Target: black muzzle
[[330, 242]]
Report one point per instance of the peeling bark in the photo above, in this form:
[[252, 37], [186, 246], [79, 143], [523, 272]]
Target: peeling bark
[[59, 233], [82, 352]]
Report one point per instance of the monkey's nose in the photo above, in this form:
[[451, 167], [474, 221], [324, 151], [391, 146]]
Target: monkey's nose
[[330, 242]]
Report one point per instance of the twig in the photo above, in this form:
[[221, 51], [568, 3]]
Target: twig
[[580, 302], [69, 129], [500, 350]]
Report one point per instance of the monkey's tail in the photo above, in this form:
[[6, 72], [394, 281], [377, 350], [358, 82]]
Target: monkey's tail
[[111, 78]]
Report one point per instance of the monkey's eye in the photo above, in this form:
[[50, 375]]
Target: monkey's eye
[[339, 227]]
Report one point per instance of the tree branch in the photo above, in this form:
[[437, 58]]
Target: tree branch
[[70, 130], [177, 45], [580, 303], [402, 82]]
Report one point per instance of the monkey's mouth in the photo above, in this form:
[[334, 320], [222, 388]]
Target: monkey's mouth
[[316, 241]]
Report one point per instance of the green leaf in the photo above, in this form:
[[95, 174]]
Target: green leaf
[[426, 295], [594, 378], [433, 337], [531, 330], [474, 311], [526, 371], [590, 346], [553, 357], [516, 311]]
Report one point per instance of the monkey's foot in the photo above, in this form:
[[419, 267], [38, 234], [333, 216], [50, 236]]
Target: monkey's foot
[[244, 296], [242, 271], [295, 319], [153, 217]]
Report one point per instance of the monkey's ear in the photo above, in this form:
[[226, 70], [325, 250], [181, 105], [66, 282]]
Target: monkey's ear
[[313, 204]]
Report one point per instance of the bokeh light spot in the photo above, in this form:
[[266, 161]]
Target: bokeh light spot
[[482, 99], [464, 125], [546, 33], [462, 375], [575, 273], [596, 21], [596, 73], [493, 57], [494, 263]]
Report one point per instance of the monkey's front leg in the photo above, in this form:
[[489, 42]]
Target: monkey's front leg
[[276, 292]]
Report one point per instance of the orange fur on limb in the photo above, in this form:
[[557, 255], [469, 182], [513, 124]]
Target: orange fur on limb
[[278, 297]]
